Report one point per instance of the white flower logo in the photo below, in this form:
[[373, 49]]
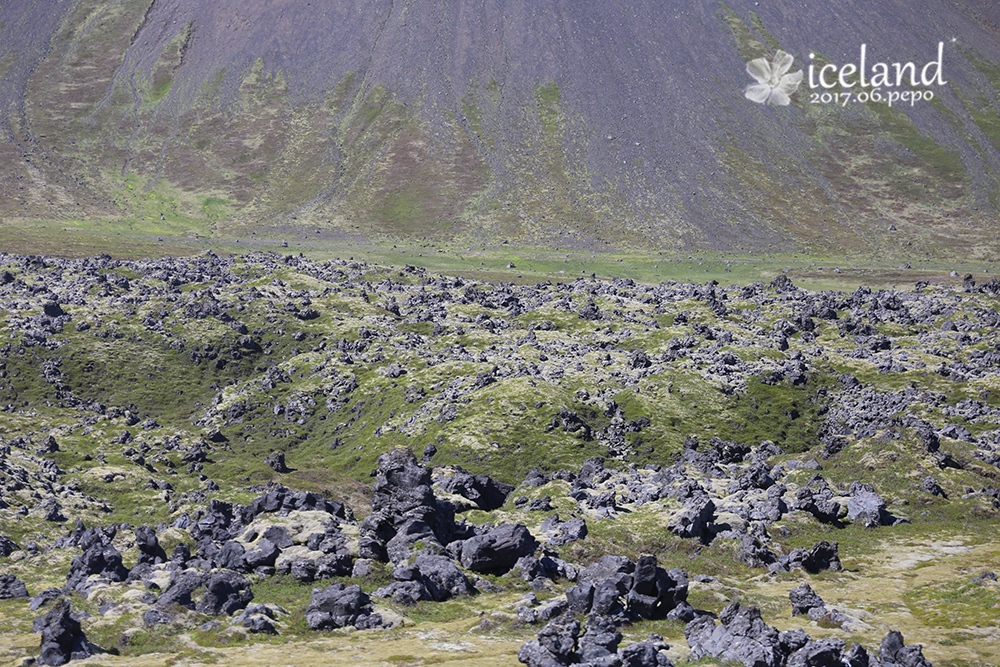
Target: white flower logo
[[773, 85]]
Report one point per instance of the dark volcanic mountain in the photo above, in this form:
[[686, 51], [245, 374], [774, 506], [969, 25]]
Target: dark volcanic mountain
[[547, 121]]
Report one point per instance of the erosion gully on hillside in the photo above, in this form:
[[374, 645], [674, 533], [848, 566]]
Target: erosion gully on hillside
[[269, 460]]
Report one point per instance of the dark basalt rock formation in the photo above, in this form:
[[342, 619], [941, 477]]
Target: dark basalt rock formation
[[556, 644], [181, 589], [546, 567], [497, 551], [867, 508], [694, 520], [566, 531], [430, 577], [485, 492], [276, 461], [45, 597], [62, 637], [259, 624], [535, 477], [338, 606], [324, 567], [620, 589], [404, 508], [823, 652], [230, 556], [283, 500], [821, 556], [599, 643], [149, 547], [157, 617], [744, 638], [781, 339], [442, 578], [264, 554], [804, 599], [7, 546], [101, 559], [225, 593], [655, 592], [560, 642], [645, 654], [12, 588], [892, 652]]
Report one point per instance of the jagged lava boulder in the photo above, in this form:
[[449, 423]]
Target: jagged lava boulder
[[12, 588], [404, 509], [498, 551], [339, 606], [62, 637]]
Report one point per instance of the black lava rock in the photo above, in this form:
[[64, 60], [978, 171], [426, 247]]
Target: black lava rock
[[12, 588], [62, 637]]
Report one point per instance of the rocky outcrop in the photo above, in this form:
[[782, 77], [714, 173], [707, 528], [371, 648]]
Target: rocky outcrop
[[560, 642], [339, 606], [742, 636], [405, 510], [822, 556], [497, 551], [101, 559], [564, 532], [623, 590], [430, 577], [150, 551], [867, 507], [486, 493], [804, 599], [225, 593], [694, 520], [181, 589], [892, 652], [276, 461], [12, 588], [62, 637], [807, 350], [7, 546]]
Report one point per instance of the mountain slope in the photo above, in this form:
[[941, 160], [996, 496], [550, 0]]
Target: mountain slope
[[550, 123]]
